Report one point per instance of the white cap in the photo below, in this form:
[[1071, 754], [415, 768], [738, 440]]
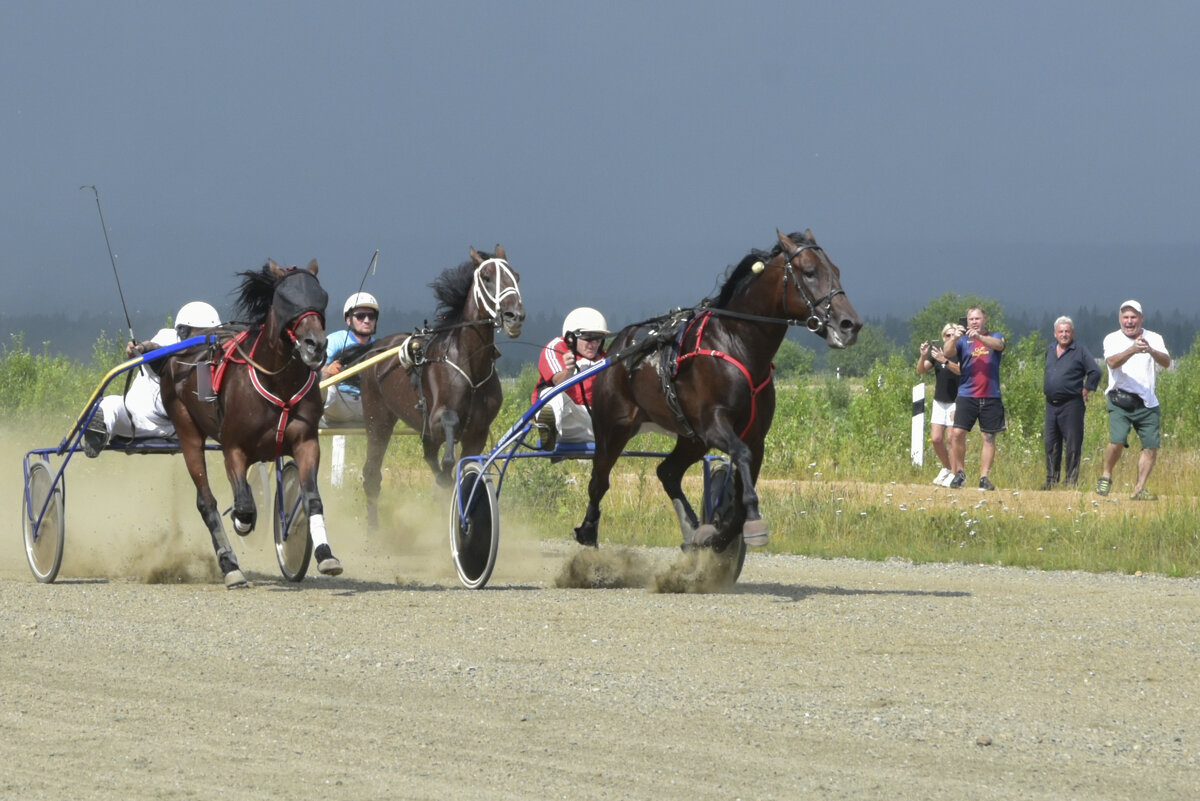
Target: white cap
[[197, 314], [1130, 304], [360, 300], [583, 320]]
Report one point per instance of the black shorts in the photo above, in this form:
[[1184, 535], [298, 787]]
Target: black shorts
[[988, 411]]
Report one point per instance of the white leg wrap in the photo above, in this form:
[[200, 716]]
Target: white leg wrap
[[316, 529]]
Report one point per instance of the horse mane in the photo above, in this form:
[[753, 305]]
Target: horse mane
[[254, 295], [738, 275], [452, 289]]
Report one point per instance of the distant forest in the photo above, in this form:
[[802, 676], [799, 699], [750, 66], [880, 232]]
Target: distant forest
[[76, 336]]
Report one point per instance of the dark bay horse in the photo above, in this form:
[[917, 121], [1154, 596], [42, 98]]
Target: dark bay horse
[[712, 386], [450, 392], [267, 403]]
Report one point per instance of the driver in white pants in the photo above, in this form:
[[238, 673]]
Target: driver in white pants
[[580, 346], [139, 413]]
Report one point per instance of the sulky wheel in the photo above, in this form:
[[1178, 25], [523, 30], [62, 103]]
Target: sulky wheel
[[721, 509], [474, 526], [293, 545], [43, 543]]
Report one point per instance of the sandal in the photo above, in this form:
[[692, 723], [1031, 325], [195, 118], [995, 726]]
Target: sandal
[[1103, 485]]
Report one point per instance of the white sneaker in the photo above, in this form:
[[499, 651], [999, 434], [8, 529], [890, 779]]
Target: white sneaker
[[943, 477]]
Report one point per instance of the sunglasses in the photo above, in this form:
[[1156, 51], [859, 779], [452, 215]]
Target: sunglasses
[[364, 316], [591, 337]]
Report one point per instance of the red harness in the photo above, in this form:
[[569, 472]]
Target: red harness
[[229, 353], [699, 351]]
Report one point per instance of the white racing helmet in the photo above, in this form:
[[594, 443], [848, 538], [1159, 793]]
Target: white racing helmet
[[197, 314], [583, 320], [360, 300]]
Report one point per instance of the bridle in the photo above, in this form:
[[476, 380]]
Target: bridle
[[488, 301], [818, 318]]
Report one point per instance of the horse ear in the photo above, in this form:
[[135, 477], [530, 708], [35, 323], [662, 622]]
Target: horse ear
[[808, 234], [312, 267], [500, 254], [783, 240], [475, 257], [275, 269]]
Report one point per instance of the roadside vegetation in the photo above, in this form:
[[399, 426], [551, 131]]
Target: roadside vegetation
[[837, 479]]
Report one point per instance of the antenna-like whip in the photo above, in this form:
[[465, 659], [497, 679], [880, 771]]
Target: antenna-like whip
[[112, 258], [370, 270]]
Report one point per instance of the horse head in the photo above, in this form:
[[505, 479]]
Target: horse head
[[812, 289], [496, 293], [298, 306]]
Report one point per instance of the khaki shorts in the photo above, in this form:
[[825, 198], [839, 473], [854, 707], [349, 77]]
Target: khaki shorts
[[1146, 421]]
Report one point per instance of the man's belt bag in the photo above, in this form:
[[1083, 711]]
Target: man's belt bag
[[1125, 400]]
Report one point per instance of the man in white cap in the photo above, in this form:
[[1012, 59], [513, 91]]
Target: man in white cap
[[567, 417], [139, 412], [1135, 357], [343, 403]]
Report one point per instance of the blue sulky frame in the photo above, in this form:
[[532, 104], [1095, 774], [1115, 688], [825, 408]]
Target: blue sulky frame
[[474, 512], [43, 503]]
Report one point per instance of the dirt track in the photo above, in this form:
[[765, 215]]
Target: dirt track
[[814, 678]]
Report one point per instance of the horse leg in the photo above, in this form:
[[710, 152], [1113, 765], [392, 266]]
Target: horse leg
[[608, 450], [449, 426], [754, 529], [308, 461], [747, 461], [245, 513], [379, 436], [670, 473], [206, 503]]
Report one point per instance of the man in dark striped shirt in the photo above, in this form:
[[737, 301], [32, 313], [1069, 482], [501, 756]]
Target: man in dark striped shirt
[[1071, 373]]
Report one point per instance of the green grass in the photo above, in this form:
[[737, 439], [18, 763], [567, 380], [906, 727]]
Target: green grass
[[835, 451]]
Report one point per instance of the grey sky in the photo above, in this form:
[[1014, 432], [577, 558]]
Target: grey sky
[[623, 152]]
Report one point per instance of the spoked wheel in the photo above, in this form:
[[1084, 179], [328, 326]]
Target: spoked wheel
[[44, 542], [474, 526], [293, 545], [722, 509]]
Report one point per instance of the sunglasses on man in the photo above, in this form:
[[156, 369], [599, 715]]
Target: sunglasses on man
[[364, 316], [591, 337]]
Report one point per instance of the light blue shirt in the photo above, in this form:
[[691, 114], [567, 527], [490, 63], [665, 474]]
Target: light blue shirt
[[335, 343]]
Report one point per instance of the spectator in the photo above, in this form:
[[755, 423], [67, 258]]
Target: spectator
[[945, 389], [1135, 357], [1071, 373], [568, 415], [977, 361], [343, 402]]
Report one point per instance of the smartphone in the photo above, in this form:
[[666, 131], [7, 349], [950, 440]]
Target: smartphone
[[962, 321]]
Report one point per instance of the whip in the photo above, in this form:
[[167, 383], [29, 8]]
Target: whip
[[112, 258]]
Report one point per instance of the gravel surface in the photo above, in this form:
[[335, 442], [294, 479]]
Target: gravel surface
[[138, 675], [812, 678]]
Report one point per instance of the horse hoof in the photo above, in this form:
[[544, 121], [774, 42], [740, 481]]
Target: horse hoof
[[755, 533], [327, 563], [242, 528], [586, 536], [704, 536], [234, 580]]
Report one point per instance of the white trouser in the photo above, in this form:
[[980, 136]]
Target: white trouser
[[342, 409], [139, 413], [574, 422]]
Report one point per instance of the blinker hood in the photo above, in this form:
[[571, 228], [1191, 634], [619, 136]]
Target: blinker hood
[[298, 292]]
